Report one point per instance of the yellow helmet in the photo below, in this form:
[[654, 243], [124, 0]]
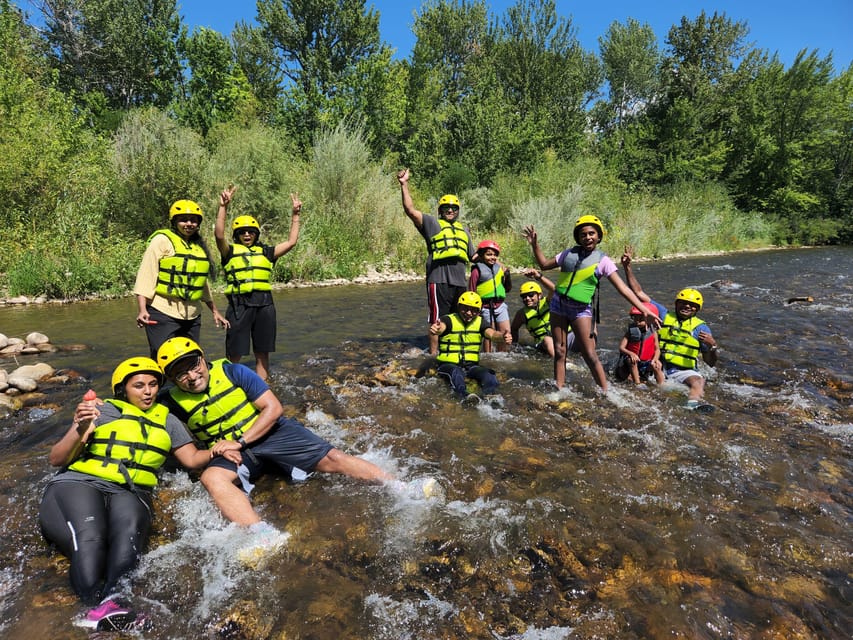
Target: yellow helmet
[[245, 222], [131, 367], [448, 198], [690, 295], [471, 299], [586, 220], [174, 349], [185, 207], [530, 287]]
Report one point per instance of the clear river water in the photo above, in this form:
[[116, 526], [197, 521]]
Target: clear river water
[[561, 515]]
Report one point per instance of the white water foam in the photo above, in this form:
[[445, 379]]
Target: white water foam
[[204, 544]]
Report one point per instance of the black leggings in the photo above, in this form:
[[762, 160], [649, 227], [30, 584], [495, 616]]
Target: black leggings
[[101, 533]]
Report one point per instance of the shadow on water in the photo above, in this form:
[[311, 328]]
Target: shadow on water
[[563, 514]]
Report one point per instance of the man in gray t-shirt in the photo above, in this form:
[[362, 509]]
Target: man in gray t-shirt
[[450, 249]]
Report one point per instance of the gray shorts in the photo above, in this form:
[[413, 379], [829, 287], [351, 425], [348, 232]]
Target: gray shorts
[[501, 313], [681, 375], [289, 445]]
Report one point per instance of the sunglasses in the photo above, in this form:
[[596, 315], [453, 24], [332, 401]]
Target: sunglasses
[[448, 207], [529, 295]]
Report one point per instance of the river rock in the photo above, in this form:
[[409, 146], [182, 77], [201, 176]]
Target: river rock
[[8, 403], [12, 348], [35, 338], [22, 383], [37, 371], [3, 341]]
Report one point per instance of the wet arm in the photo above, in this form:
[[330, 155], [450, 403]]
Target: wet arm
[[633, 283], [69, 447], [651, 319], [270, 411], [518, 321], [219, 228], [408, 204], [283, 247]]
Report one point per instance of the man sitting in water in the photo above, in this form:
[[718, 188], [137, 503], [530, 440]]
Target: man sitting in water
[[460, 335], [683, 336], [229, 408]]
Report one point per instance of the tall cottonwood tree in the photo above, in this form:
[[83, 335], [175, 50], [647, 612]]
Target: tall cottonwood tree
[[217, 90], [701, 77], [546, 76], [123, 51], [450, 41], [631, 62], [321, 48]]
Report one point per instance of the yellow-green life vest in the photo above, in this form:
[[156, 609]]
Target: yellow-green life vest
[[577, 278], [462, 342], [678, 347], [130, 449], [450, 242], [538, 319], [490, 284], [222, 412], [182, 275], [247, 270]]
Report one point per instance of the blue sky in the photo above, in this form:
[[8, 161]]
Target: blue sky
[[783, 26]]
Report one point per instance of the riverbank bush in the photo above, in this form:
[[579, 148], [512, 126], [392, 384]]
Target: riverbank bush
[[353, 221]]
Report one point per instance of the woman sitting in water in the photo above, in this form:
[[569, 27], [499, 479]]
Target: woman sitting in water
[[97, 509]]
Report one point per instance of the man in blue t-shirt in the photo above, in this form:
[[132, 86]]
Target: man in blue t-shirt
[[228, 407], [683, 336]]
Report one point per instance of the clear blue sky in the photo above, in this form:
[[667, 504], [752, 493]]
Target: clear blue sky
[[783, 26]]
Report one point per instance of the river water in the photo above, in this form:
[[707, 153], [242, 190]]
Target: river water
[[563, 514]]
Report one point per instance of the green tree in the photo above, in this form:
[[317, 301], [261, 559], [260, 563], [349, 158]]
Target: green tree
[[693, 118], [838, 185], [218, 90], [546, 76], [631, 62], [450, 36], [318, 45], [115, 54], [259, 64], [44, 145], [156, 161]]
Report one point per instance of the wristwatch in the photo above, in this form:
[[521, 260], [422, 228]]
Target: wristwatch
[[713, 348], [243, 444]]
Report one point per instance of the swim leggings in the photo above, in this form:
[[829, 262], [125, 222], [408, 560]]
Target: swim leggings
[[102, 533]]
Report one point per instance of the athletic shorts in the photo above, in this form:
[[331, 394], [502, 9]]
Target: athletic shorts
[[257, 324], [441, 299], [168, 327], [289, 445], [568, 308], [501, 313], [681, 375]]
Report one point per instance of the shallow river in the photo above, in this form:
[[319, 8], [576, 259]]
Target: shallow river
[[563, 514]]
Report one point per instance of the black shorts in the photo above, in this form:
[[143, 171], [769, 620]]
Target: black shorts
[[168, 327], [442, 299], [257, 324]]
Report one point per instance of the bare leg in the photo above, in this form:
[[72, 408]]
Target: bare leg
[[231, 500], [559, 331], [635, 373], [262, 364], [336, 461], [696, 384], [581, 328]]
